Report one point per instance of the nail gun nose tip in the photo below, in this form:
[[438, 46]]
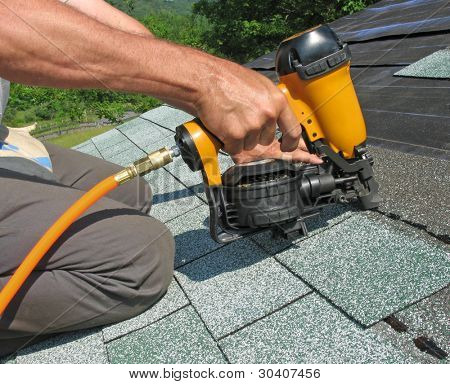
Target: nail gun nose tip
[[175, 151]]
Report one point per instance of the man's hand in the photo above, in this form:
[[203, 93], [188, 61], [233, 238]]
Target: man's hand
[[242, 108], [273, 151]]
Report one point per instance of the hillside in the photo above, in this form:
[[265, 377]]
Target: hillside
[[144, 7]]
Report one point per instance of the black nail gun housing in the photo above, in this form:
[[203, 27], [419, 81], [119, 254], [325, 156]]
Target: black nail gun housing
[[277, 195]]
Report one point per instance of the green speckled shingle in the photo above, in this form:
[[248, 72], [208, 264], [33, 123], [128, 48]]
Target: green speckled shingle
[[328, 217], [123, 158], [430, 317], [88, 148], [435, 66], [173, 300], [8, 360], [180, 338], [167, 117], [370, 267], [236, 285], [309, 331], [144, 133], [84, 347], [170, 198], [109, 139], [191, 233]]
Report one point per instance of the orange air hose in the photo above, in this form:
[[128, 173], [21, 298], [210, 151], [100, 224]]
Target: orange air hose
[[51, 236]]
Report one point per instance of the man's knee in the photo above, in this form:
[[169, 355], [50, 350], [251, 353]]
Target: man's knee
[[148, 269]]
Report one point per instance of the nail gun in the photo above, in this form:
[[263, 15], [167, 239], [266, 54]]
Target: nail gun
[[314, 74]]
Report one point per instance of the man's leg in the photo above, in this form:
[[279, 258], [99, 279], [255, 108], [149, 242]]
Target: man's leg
[[112, 264]]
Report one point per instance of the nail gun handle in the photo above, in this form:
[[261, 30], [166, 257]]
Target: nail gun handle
[[200, 150]]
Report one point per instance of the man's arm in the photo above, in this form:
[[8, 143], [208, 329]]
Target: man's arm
[[107, 14], [46, 43]]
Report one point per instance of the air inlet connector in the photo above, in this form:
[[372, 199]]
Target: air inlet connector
[[151, 162]]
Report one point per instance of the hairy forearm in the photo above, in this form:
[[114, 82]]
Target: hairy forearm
[[47, 43], [107, 14]]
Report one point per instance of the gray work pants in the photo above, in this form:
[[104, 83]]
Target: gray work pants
[[112, 264]]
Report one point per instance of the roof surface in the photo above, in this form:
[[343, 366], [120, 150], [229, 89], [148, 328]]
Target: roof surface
[[359, 289]]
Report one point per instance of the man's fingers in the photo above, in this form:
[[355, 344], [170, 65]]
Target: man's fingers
[[290, 128], [302, 145], [234, 146], [305, 157], [268, 133], [251, 139]]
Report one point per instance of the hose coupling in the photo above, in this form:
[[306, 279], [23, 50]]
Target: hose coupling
[[151, 162]]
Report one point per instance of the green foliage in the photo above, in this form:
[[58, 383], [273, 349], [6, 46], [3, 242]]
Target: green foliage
[[142, 8], [183, 29], [29, 104], [243, 30]]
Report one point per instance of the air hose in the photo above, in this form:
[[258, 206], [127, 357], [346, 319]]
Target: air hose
[[141, 167]]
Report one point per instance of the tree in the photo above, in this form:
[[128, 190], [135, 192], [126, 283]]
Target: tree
[[243, 29], [127, 6]]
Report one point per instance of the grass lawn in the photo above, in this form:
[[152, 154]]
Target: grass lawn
[[71, 139]]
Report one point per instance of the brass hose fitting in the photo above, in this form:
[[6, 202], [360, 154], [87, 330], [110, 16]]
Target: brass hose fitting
[[151, 162]]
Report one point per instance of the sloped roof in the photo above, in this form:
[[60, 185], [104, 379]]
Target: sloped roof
[[322, 298]]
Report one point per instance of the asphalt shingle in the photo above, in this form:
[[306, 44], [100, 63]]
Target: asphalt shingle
[[173, 300], [192, 238], [170, 198], [8, 360], [143, 132], [236, 285], [414, 188], [194, 180], [401, 341], [327, 218], [435, 66], [83, 347], [167, 117], [116, 150], [430, 318], [123, 158], [180, 338], [371, 266], [109, 139], [88, 148], [309, 331]]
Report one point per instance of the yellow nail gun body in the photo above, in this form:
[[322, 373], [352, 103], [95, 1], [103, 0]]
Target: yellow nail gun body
[[314, 73]]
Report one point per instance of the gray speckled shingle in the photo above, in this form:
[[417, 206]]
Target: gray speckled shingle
[[117, 149], [128, 155], [431, 318], [371, 266], [170, 198], [194, 180], [180, 338], [435, 66], [236, 285], [88, 148], [167, 117], [401, 341], [8, 360], [191, 233], [328, 217], [83, 347], [309, 331], [167, 141], [415, 188], [144, 133], [109, 139], [172, 301]]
